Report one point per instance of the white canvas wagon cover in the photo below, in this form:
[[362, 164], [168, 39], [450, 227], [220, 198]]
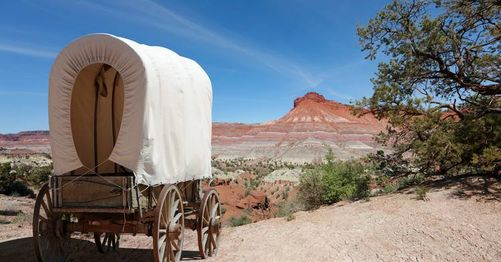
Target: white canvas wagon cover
[[113, 101]]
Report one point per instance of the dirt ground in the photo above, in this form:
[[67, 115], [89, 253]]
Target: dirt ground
[[452, 225]]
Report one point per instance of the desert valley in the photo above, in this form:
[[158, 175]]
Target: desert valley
[[257, 170], [172, 131]]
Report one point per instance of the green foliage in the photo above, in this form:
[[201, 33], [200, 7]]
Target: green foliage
[[333, 181], [390, 188], [288, 208], [260, 168], [421, 193], [285, 193], [311, 189], [10, 185], [16, 179], [391, 184], [439, 86], [239, 221], [250, 185], [37, 176]]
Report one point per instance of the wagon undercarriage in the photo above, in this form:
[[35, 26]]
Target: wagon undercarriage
[[168, 211]]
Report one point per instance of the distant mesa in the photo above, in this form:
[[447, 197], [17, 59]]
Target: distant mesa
[[302, 135]]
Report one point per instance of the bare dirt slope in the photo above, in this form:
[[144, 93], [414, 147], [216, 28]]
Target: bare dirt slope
[[387, 228]]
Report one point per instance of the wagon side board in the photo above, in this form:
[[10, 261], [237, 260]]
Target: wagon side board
[[93, 191]]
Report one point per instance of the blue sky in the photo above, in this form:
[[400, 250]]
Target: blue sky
[[260, 55]]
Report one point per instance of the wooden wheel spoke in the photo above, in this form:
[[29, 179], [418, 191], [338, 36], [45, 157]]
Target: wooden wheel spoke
[[204, 239], [214, 209], [174, 244], [172, 197], [208, 244], [110, 240], [105, 239], [205, 220], [162, 250], [49, 199], [175, 204], [48, 212], [167, 254], [176, 218], [114, 242], [42, 221], [212, 240], [171, 253], [163, 221]]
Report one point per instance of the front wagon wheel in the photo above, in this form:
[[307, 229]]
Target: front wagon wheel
[[168, 228], [209, 224]]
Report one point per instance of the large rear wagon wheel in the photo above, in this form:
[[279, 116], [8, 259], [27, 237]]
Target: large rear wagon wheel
[[209, 224], [50, 237], [168, 228]]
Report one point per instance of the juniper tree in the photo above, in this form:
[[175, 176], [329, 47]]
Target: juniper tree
[[438, 85]]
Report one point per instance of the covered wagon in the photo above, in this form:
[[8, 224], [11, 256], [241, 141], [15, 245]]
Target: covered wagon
[[130, 132]]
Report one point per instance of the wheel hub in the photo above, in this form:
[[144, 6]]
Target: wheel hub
[[215, 225], [174, 231]]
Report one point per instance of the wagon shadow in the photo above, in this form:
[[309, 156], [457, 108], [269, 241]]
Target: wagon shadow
[[21, 250]]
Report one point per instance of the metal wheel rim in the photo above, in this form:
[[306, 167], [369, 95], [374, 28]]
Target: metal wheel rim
[[168, 213], [209, 213]]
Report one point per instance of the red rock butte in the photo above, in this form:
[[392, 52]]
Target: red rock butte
[[303, 134]]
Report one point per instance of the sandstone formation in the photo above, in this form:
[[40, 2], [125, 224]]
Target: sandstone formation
[[302, 135]]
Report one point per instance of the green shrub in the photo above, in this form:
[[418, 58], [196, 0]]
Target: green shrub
[[333, 181], [390, 188], [39, 175], [311, 189], [9, 183], [421, 193], [410, 181], [344, 180], [288, 208], [250, 185], [239, 221]]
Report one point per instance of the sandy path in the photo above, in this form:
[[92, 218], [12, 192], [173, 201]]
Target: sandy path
[[387, 228]]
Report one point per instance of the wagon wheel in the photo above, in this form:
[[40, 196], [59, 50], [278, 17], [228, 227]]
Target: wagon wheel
[[49, 235], [209, 224], [106, 242], [168, 230]]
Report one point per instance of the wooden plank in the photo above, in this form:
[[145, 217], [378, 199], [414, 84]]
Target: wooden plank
[[128, 228], [95, 191], [92, 210]]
